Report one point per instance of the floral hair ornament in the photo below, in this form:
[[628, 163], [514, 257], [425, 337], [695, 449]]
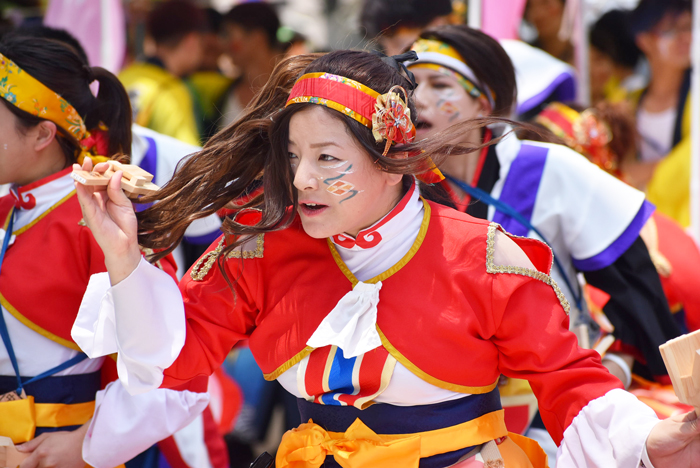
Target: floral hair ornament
[[27, 93], [391, 120], [585, 132]]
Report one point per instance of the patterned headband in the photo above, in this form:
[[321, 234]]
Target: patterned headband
[[584, 132], [27, 93], [387, 115], [445, 59]]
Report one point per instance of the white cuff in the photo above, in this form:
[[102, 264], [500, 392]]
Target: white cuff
[[142, 318], [611, 431], [645, 463], [623, 365], [125, 425]]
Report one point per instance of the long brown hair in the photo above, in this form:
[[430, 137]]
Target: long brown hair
[[256, 145]]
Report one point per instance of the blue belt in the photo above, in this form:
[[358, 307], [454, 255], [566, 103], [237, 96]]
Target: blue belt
[[390, 419]]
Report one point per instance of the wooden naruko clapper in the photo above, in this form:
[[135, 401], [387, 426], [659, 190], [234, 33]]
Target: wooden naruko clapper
[[135, 181], [682, 358]]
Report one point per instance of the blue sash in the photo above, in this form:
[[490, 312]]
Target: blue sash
[[390, 419]]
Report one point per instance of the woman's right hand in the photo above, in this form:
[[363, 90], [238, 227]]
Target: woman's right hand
[[110, 216]]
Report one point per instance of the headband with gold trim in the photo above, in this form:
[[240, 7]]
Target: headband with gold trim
[[27, 93], [387, 115], [583, 131]]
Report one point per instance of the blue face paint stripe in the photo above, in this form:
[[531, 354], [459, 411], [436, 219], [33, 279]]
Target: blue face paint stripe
[[333, 179], [352, 194]]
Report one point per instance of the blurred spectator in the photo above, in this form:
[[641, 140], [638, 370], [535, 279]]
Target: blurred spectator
[[251, 42], [396, 23], [159, 98], [613, 58], [663, 33], [662, 30], [209, 85], [293, 43], [546, 17]]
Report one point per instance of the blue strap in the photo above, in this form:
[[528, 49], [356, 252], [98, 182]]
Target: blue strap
[[69, 363], [508, 210], [3, 326], [6, 335]]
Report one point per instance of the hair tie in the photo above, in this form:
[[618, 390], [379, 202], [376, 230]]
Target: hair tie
[[397, 63], [89, 73]]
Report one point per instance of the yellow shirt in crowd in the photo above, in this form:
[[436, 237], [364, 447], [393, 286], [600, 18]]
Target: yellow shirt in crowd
[[160, 101]]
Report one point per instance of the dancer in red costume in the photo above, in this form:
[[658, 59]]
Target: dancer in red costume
[[50, 390], [390, 317]]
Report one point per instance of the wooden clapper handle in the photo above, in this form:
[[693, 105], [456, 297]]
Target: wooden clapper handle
[[682, 358], [9, 456]]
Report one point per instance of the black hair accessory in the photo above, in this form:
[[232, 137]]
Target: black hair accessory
[[397, 63]]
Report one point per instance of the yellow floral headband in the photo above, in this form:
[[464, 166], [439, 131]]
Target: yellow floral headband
[[27, 93]]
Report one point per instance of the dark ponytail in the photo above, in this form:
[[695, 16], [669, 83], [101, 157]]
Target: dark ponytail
[[112, 108], [61, 69]]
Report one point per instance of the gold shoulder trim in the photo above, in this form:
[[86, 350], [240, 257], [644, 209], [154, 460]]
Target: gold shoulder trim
[[400, 264], [289, 364], [428, 378], [492, 268], [201, 268]]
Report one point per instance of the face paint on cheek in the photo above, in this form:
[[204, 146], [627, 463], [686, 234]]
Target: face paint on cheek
[[352, 194], [448, 109], [340, 188]]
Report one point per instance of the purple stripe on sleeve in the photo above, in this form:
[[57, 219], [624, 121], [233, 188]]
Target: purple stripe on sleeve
[[563, 87], [521, 186], [205, 239], [149, 163], [608, 256]]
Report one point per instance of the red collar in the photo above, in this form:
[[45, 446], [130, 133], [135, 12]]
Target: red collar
[[368, 238]]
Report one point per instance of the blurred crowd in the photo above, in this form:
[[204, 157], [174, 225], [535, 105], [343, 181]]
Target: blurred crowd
[[191, 68]]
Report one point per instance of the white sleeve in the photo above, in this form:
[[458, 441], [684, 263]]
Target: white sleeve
[[609, 432], [600, 216], [125, 425], [142, 318]]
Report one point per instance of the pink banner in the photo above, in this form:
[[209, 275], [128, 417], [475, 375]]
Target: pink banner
[[501, 18], [97, 24]]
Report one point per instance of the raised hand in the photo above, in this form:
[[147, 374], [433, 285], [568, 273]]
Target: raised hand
[[675, 442], [110, 216]]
